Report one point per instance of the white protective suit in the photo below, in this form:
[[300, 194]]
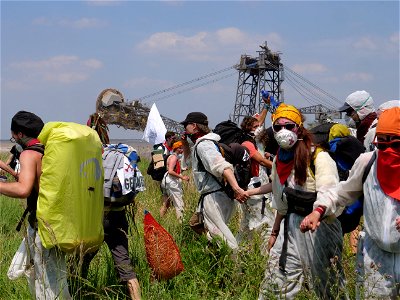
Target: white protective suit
[[315, 257], [172, 187], [218, 207], [378, 255]]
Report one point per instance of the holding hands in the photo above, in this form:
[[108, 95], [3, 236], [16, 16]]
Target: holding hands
[[312, 221]]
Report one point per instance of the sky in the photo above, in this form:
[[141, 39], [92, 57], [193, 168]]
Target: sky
[[57, 56]]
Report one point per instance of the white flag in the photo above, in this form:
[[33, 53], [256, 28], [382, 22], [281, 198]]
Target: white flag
[[155, 130]]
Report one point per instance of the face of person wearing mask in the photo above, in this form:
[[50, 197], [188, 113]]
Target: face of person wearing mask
[[351, 118], [19, 138], [285, 133], [254, 128]]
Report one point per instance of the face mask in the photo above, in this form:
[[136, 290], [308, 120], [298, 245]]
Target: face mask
[[349, 122], [258, 131], [23, 141], [285, 138], [18, 147]]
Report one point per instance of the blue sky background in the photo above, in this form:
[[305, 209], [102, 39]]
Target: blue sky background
[[57, 56]]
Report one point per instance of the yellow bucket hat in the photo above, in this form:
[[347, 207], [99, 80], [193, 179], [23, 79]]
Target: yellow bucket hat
[[287, 111]]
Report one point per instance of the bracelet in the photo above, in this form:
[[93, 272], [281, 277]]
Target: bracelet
[[321, 210], [265, 106]]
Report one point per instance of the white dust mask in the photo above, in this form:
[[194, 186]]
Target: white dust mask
[[285, 138]]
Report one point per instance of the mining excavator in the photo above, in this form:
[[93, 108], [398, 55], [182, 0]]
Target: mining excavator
[[112, 107]]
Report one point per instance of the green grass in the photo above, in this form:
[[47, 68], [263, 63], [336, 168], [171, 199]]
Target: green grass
[[209, 273]]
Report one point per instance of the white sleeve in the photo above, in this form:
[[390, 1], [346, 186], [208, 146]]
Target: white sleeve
[[346, 192]]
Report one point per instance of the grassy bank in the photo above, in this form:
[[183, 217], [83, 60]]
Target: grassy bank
[[209, 273]]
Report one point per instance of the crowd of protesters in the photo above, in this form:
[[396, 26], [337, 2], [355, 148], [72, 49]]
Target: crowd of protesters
[[296, 179]]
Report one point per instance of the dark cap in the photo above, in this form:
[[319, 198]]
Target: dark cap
[[28, 123], [195, 117], [344, 107]]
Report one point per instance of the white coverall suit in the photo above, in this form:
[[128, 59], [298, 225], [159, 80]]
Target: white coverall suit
[[378, 254], [218, 207], [316, 256]]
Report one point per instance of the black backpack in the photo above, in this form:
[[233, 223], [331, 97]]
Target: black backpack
[[239, 157], [158, 164], [231, 133]]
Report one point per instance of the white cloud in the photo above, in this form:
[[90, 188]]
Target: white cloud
[[230, 35], [63, 69], [103, 2], [147, 82], [365, 43], [359, 76], [67, 77], [312, 68], [92, 63], [55, 62], [395, 38], [83, 23], [41, 21], [207, 46]]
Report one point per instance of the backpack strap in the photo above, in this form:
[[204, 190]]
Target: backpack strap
[[368, 167], [203, 169], [313, 158], [36, 147]]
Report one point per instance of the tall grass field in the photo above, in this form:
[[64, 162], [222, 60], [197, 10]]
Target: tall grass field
[[210, 271]]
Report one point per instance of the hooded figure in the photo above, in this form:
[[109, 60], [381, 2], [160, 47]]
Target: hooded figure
[[369, 137], [359, 108]]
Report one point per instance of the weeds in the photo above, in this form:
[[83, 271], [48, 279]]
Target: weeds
[[211, 272]]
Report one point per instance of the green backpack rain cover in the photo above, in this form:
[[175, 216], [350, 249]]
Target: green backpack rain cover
[[70, 203]]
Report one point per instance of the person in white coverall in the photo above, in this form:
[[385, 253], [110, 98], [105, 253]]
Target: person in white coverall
[[296, 257], [171, 184], [378, 256], [209, 171]]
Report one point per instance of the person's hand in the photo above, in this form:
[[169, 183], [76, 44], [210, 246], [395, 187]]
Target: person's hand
[[185, 178], [310, 222], [398, 224], [272, 240], [240, 195]]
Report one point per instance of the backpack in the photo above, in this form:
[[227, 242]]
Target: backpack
[[122, 178], [231, 133], [344, 150], [351, 215], [239, 157], [70, 202], [158, 164]]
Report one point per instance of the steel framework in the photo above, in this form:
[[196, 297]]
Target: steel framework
[[264, 72]]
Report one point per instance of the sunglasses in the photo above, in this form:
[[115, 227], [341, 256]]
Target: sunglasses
[[394, 144], [289, 126]]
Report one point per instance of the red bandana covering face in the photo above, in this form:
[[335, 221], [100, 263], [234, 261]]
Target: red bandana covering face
[[283, 169], [388, 172]]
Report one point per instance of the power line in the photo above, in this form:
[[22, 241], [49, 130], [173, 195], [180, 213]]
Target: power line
[[185, 83], [194, 87]]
